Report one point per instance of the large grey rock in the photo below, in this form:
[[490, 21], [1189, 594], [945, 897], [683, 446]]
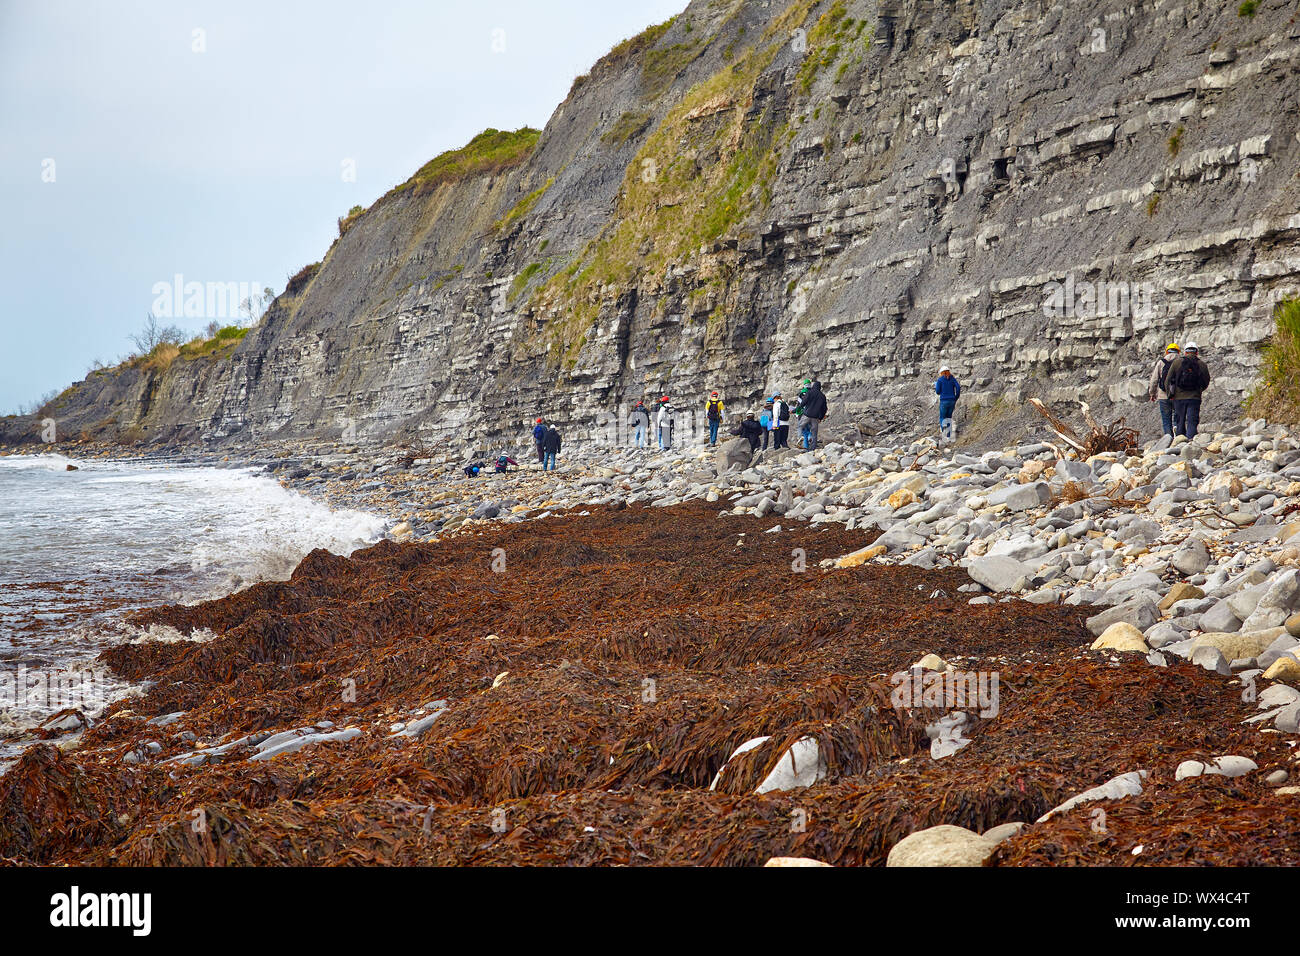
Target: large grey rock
[[1277, 604], [1140, 611], [999, 573], [1192, 558], [1079, 472], [1220, 618], [733, 454], [1212, 659], [1022, 497]]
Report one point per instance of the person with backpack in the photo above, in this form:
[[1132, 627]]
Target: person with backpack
[[800, 419], [664, 424], [503, 464], [716, 411], [539, 433], [1159, 388], [473, 468], [780, 422], [639, 422], [750, 430], [1188, 378], [949, 390], [814, 413], [551, 448], [765, 421]]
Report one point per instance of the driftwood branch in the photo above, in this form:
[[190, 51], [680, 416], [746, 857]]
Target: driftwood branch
[[1100, 438]]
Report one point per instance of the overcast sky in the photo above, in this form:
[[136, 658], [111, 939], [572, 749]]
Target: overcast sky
[[144, 140]]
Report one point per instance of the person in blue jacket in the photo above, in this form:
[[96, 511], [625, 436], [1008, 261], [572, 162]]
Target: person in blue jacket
[[949, 390], [539, 437]]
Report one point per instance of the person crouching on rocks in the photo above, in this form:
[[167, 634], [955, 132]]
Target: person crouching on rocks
[[1160, 389], [1188, 379], [664, 423], [750, 430], [550, 448], [949, 390], [539, 433], [473, 468], [503, 464], [716, 411], [639, 422]]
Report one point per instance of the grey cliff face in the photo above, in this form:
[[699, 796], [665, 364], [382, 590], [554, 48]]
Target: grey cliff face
[[1040, 195]]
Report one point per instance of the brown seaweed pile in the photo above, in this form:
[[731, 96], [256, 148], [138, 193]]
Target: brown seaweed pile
[[565, 691]]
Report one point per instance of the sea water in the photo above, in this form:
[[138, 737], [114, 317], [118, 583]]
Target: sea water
[[79, 549]]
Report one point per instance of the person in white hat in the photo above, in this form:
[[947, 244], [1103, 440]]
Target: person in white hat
[[949, 390], [1187, 381]]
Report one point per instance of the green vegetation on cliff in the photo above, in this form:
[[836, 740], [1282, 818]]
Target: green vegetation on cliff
[[522, 207], [490, 151], [1277, 396], [699, 175]]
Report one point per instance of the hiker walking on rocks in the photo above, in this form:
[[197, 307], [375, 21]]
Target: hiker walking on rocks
[[539, 434], [780, 422], [1188, 379], [664, 424], [765, 421], [750, 430], [550, 448], [949, 390], [814, 412], [1160, 388], [639, 422], [716, 411]]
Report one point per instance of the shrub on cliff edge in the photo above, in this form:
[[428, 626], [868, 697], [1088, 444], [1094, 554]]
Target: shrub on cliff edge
[[1277, 394]]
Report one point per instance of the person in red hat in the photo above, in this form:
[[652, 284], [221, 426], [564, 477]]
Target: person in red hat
[[664, 423], [539, 439]]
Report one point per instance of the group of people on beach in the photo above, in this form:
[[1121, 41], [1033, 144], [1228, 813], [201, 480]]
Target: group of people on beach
[[771, 426], [768, 427], [1178, 380]]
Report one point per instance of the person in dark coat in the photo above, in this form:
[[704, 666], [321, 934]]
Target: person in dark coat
[[814, 412], [751, 430], [551, 448], [1188, 379]]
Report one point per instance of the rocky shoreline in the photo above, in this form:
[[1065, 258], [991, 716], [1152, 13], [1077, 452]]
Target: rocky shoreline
[[1144, 607]]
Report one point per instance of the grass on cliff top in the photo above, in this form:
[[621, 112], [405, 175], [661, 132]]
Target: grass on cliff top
[[1277, 394], [490, 151], [624, 51], [223, 341], [346, 222]]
